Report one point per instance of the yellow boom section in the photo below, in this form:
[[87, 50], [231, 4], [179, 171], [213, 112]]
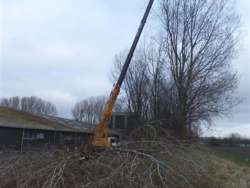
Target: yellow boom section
[[101, 132]]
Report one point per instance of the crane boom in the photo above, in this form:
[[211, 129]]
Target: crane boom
[[101, 132]]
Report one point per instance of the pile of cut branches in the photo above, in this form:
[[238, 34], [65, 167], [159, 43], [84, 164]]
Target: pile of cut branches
[[154, 162]]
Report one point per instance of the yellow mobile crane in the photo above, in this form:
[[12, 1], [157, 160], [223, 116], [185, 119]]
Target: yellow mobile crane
[[100, 139]]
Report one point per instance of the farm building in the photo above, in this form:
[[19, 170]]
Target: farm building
[[22, 130], [123, 121]]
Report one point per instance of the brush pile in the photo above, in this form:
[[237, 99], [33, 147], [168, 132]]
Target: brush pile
[[150, 161]]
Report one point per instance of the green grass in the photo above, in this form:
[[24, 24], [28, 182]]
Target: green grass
[[25, 118], [240, 156]]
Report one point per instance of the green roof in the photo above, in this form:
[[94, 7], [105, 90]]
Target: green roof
[[18, 119]]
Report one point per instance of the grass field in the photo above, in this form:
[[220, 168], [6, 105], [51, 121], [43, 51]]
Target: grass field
[[240, 156]]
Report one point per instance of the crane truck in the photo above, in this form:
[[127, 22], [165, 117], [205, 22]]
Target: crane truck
[[100, 137]]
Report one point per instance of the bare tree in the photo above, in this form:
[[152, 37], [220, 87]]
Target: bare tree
[[136, 85], [147, 91], [155, 56], [184, 76], [37, 106], [199, 44], [89, 110], [4, 102], [29, 104], [14, 102]]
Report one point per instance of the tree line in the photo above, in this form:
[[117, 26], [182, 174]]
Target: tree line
[[232, 140], [183, 75], [90, 110], [31, 104]]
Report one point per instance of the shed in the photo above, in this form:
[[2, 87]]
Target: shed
[[21, 130]]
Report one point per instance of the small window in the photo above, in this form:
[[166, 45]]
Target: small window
[[33, 136], [40, 136]]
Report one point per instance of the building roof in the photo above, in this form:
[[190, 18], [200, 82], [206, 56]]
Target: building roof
[[17, 119], [82, 126]]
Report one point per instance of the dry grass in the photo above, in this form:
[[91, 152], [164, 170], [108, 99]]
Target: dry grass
[[230, 175]]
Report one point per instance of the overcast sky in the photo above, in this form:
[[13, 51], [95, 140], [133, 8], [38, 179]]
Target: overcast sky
[[62, 51]]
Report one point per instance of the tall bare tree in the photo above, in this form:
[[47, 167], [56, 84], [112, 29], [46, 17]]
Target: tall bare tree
[[155, 56], [136, 83], [199, 37], [146, 90]]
